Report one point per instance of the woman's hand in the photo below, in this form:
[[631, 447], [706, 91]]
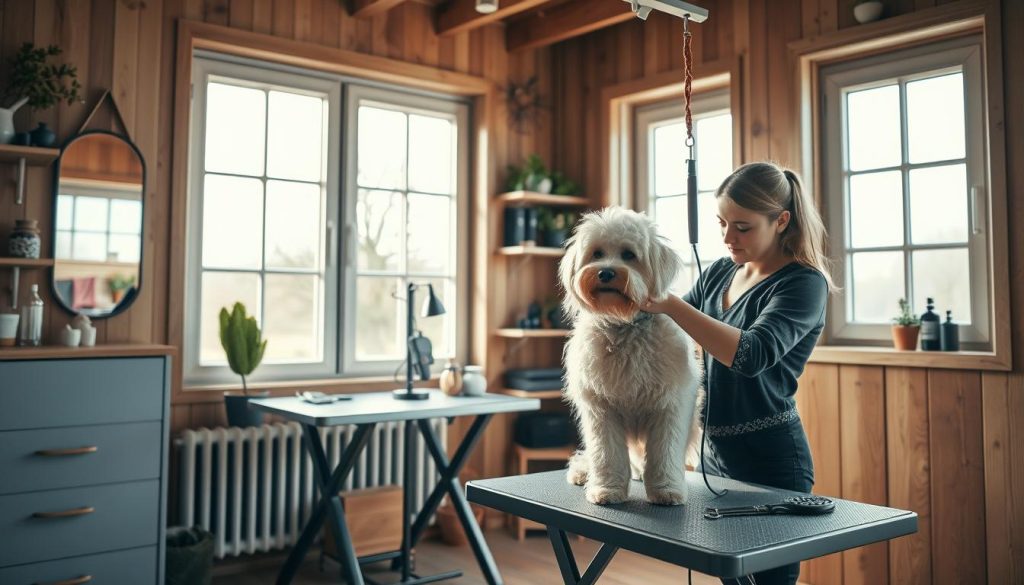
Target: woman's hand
[[656, 306]]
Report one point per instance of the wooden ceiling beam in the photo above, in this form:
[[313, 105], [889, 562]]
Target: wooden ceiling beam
[[460, 15], [565, 21], [368, 8]]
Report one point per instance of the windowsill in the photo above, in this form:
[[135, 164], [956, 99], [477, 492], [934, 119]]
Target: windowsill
[[887, 356], [209, 392]]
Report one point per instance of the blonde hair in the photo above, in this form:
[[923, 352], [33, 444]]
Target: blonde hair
[[769, 189]]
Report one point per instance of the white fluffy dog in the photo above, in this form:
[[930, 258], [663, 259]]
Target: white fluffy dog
[[632, 377]]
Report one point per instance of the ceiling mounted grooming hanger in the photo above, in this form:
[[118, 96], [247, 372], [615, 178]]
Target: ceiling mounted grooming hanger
[[642, 8]]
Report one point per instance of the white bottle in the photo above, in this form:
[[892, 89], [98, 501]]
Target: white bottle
[[32, 320]]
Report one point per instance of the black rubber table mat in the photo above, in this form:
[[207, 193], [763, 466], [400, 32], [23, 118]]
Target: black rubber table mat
[[728, 547]]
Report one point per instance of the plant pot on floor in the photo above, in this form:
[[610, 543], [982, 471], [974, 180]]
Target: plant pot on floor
[[451, 529], [904, 337], [238, 411]]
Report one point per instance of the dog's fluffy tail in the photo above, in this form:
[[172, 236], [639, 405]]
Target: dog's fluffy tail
[[579, 468]]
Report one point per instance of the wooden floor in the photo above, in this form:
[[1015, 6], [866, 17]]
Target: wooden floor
[[530, 562]]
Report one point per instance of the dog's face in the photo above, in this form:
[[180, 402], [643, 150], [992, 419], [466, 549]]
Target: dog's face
[[614, 262]]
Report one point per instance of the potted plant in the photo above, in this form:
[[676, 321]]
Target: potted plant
[[533, 176], [555, 226], [119, 284], [244, 346], [41, 85], [865, 11], [905, 328]]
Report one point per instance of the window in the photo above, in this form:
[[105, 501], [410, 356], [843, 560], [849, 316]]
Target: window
[[98, 222], [661, 174], [905, 188], [278, 161]]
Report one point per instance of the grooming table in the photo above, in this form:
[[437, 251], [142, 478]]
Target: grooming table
[[727, 547]]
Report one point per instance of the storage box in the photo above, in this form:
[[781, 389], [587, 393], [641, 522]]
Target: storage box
[[374, 520]]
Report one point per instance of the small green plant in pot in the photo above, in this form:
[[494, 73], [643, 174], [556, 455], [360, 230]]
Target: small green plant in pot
[[555, 226], [905, 328], [119, 284], [244, 346], [40, 84]]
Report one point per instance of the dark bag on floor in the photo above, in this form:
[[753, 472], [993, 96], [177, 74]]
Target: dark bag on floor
[[189, 556]]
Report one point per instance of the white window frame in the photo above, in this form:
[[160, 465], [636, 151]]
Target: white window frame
[[455, 305], [961, 54], [650, 117], [340, 197]]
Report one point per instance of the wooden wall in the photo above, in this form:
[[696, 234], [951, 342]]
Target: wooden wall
[[948, 444]]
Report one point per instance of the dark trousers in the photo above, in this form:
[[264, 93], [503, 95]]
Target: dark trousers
[[777, 457]]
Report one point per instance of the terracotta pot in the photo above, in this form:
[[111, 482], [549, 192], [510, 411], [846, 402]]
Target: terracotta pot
[[904, 337], [452, 533]]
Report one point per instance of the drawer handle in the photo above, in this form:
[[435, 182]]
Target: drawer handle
[[75, 581], [65, 452], [65, 513]]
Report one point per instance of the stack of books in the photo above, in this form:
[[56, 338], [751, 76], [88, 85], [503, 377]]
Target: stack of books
[[535, 379]]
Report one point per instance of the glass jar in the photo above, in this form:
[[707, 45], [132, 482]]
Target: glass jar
[[24, 240]]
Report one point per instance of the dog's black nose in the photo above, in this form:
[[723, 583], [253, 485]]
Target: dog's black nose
[[606, 274]]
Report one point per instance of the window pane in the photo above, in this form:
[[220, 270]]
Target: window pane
[[63, 247], [380, 218], [232, 222], [378, 319], [873, 127], [714, 151], [431, 152], [123, 248], [876, 283], [295, 136], [935, 118], [90, 246], [437, 328], [669, 147], [670, 214], [91, 213], [876, 209], [235, 129], [945, 276], [709, 233], [938, 204], [223, 289], [431, 239], [292, 318], [293, 225], [65, 211], [125, 216], [382, 148]]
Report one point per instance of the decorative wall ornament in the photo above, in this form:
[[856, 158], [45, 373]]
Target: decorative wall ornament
[[524, 103]]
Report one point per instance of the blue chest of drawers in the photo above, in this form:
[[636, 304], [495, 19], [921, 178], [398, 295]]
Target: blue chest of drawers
[[83, 469]]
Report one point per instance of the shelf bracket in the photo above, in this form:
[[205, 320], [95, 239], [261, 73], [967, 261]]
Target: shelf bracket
[[20, 198]]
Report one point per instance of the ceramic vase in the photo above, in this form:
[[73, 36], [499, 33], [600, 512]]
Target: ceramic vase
[[473, 381], [7, 121], [43, 136], [24, 240]]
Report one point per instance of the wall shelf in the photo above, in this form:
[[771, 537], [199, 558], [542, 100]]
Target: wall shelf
[[524, 333], [26, 156], [515, 198], [540, 394], [17, 265], [531, 251]]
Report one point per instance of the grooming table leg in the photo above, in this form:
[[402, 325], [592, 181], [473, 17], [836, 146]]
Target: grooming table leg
[[567, 563]]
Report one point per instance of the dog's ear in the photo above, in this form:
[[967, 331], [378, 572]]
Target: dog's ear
[[567, 267], [666, 264]]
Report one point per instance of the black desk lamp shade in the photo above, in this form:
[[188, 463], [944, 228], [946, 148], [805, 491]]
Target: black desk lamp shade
[[431, 308]]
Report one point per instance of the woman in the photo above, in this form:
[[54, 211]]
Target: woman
[[757, 314]]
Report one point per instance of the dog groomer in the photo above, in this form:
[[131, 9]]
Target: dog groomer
[[757, 314]]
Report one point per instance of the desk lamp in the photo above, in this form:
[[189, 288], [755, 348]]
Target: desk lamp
[[417, 347]]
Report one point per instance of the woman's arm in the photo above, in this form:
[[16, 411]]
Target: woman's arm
[[717, 338]]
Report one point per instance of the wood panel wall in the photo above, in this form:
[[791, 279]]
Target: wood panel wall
[[947, 444]]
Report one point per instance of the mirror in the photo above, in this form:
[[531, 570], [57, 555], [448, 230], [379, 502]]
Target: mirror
[[99, 182]]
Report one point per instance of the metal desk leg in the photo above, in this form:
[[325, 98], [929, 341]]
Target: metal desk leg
[[567, 563], [449, 482], [328, 485]]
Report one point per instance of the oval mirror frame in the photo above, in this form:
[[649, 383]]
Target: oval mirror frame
[[132, 292]]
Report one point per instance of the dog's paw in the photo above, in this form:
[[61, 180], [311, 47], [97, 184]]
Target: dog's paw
[[666, 496], [603, 496], [576, 476]]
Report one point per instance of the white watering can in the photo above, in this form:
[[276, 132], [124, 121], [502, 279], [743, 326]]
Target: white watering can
[[7, 121]]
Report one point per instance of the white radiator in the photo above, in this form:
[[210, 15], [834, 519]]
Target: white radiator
[[253, 488]]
